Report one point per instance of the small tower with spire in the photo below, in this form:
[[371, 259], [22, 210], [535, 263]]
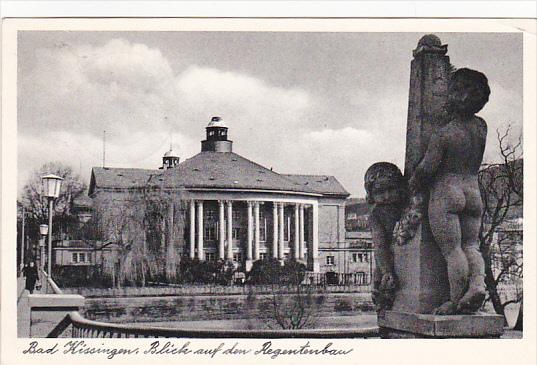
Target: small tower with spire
[[216, 140], [169, 160]]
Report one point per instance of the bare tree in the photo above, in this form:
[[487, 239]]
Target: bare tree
[[295, 306], [292, 304], [72, 187], [501, 186], [36, 205]]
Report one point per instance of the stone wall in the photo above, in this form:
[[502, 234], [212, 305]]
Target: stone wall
[[196, 290], [210, 307]]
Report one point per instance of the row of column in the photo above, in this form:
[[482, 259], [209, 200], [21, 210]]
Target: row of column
[[253, 235]]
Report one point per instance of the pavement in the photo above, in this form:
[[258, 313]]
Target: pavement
[[23, 309]]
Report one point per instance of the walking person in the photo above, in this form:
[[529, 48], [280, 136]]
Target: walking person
[[30, 272]]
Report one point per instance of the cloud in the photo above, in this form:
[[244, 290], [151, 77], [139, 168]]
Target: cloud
[[119, 86], [345, 153], [130, 90], [142, 149]]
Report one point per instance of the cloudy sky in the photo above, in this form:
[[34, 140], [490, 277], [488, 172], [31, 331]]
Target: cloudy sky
[[310, 103]]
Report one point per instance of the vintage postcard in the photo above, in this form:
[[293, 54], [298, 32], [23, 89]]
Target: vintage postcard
[[222, 190]]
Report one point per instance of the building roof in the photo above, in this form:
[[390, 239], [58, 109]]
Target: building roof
[[323, 184], [226, 171], [216, 122], [82, 201], [216, 170], [170, 153], [73, 244], [121, 178]]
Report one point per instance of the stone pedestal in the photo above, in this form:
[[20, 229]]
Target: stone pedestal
[[419, 265], [394, 324], [422, 274], [47, 310]]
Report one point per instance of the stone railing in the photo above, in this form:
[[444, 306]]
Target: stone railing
[[84, 328], [50, 286], [46, 310]]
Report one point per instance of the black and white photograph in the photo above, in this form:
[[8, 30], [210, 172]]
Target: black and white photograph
[[268, 184]]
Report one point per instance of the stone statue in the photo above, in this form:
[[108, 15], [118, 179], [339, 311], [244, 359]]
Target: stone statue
[[449, 172], [386, 192]]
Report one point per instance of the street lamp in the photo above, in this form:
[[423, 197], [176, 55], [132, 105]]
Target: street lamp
[[51, 189]]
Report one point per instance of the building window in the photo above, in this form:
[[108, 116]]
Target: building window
[[210, 256], [330, 260], [287, 229], [263, 255], [236, 233], [81, 257], [75, 258], [263, 230], [211, 133], [236, 214], [210, 233], [210, 214], [237, 257], [360, 257]]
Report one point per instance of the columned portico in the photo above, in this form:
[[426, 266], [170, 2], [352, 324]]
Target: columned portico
[[289, 230], [201, 255]]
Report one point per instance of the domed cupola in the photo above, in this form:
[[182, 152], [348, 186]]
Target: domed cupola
[[216, 140], [169, 160]]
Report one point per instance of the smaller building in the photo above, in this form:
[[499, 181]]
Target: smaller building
[[73, 253], [506, 252]]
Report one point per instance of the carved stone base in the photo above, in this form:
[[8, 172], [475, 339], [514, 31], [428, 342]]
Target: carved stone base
[[414, 325]]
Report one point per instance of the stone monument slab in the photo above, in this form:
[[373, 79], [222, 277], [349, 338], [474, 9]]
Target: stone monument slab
[[416, 325]]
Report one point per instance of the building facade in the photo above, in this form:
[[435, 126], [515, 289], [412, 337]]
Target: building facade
[[236, 209]]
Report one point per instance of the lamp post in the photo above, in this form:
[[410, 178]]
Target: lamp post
[[51, 189], [43, 230]]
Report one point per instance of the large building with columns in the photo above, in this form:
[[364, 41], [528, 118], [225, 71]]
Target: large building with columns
[[241, 211]]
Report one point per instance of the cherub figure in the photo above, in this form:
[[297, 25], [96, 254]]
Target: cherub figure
[[449, 171], [386, 192]]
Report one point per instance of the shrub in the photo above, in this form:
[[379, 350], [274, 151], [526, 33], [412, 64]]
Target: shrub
[[205, 272], [271, 271], [80, 276]]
